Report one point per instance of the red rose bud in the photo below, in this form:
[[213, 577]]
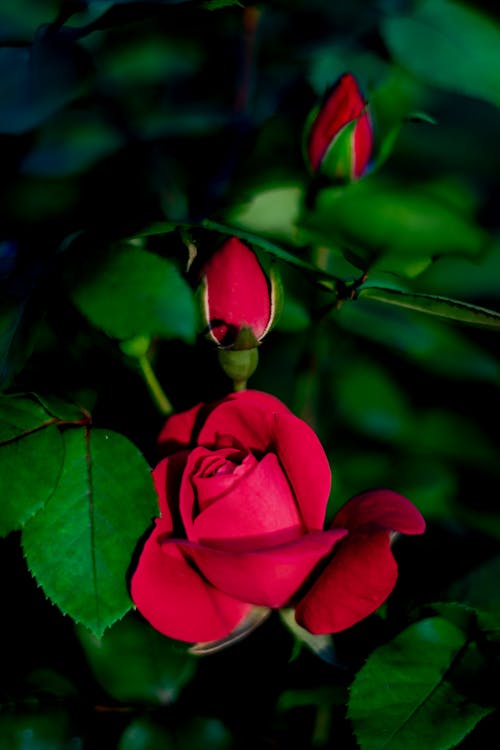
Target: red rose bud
[[340, 138], [238, 298]]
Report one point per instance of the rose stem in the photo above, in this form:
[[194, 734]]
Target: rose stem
[[157, 392]]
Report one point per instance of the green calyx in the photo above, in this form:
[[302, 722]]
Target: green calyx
[[239, 365]]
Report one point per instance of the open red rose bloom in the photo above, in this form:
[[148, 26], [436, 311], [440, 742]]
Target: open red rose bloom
[[242, 496]]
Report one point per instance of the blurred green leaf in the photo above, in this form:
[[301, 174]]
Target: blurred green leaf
[[272, 212], [479, 588], [464, 277], [441, 307], [145, 734], [371, 401], [17, 334], [71, 144], [36, 82], [450, 435], [79, 547], [401, 227], [136, 664], [203, 732], [294, 317], [430, 343], [462, 47], [31, 459], [216, 4], [21, 19], [134, 293], [404, 697], [49, 729]]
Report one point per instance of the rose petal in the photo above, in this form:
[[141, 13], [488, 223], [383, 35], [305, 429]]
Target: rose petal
[[268, 577], [167, 477], [247, 425], [306, 466], [363, 144], [358, 580], [383, 509], [344, 104], [179, 431], [259, 398], [236, 292], [258, 510], [211, 488], [176, 600], [247, 416]]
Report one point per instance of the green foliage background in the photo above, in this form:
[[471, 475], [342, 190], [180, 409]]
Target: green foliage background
[[135, 136]]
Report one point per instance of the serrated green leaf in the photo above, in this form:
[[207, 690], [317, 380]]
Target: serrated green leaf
[[134, 293], [31, 459], [134, 663], [80, 546], [440, 307], [462, 47], [404, 698]]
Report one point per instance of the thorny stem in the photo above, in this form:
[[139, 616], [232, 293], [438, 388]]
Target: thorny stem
[[157, 392]]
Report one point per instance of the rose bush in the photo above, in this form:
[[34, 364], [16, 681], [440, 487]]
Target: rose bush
[[242, 494]]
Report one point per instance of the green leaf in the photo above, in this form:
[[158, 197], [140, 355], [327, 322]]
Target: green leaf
[[31, 459], [17, 329], [134, 293], [440, 307], [50, 729], [71, 144], [400, 228], [371, 402], [427, 341], [462, 47], [80, 546], [217, 4], [37, 81], [479, 589], [134, 663], [271, 211], [404, 697], [144, 734]]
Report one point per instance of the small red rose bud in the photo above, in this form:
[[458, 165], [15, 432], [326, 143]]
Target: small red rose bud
[[238, 298], [340, 138]]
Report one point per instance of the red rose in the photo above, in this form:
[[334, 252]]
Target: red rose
[[340, 138], [242, 498], [237, 295]]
